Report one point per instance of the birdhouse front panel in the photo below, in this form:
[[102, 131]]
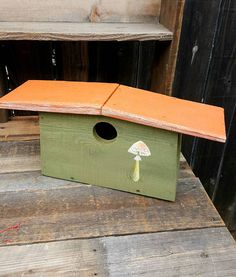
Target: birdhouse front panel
[[111, 153]]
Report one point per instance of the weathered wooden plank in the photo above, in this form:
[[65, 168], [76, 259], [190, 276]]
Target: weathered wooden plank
[[3, 113], [19, 156], [23, 60], [72, 61], [27, 60], [233, 233], [171, 16], [20, 128], [45, 209], [83, 31], [218, 88], [203, 252], [198, 44], [80, 10], [103, 56]]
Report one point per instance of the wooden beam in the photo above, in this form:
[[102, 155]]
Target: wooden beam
[[20, 128], [171, 15], [83, 31], [79, 11], [50, 209], [202, 252]]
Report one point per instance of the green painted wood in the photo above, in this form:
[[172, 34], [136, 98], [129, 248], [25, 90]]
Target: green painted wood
[[178, 153], [71, 150]]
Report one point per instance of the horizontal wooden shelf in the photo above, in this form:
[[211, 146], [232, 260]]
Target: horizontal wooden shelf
[[83, 31]]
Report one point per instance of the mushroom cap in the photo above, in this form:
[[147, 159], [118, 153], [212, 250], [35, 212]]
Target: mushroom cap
[[139, 148]]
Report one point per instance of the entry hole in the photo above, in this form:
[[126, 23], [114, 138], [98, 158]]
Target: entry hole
[[105, 131], [137, 190]]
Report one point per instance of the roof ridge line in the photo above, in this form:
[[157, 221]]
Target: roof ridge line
[[101, 110]]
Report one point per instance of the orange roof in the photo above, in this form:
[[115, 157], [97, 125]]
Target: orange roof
[[165, 112], [59, 96], [122, 102]]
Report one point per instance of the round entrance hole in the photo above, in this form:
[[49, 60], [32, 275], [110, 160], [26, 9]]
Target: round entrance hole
[[105, 131]]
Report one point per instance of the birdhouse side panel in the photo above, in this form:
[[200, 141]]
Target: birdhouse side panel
[[97, 150], [178, 154]]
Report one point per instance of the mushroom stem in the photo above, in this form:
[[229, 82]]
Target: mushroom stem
[[136, 173]]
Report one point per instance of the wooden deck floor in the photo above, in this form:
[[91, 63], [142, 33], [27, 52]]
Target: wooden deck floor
[[51, 227]]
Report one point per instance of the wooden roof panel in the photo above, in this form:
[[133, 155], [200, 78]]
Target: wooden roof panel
[[165, 112], [59, 96], [122, 102]]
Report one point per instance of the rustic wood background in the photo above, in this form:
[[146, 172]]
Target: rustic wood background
[[80, 10], [128, 63], [205, 73]]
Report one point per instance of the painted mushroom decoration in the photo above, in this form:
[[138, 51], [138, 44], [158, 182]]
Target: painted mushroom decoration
[[138, 149]]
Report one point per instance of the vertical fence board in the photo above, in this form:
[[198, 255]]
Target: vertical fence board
[[210, 77], [26, 60], [127, 63], [222, 90], [3, 113], [193, 63], [72, 61]]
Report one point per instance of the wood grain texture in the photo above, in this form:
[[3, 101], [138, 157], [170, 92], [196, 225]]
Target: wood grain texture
[[126, 57], [59, 96], [47, 209], [83, 31], [171, 16], [93, 160], [79, 11], [20, 128], [215, 69], [140, 106], [72, 61], [166, 112], [203, 252], [19, 156], [27, 60], [199, 33]]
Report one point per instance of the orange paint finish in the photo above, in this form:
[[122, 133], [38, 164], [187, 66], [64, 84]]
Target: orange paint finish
[[122, 102], [167, 113], [59, 96]]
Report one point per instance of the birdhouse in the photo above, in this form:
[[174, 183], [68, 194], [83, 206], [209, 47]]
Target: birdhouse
[[112, 135]]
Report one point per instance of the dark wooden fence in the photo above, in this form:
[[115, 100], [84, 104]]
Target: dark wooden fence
[[206, 72]]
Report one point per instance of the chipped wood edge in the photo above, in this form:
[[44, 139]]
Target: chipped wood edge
[[58, 108]]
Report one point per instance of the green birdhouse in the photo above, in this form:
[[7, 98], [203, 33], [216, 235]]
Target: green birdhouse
[[112, 135]]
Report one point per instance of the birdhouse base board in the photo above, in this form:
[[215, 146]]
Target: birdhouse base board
[[94, 150]]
